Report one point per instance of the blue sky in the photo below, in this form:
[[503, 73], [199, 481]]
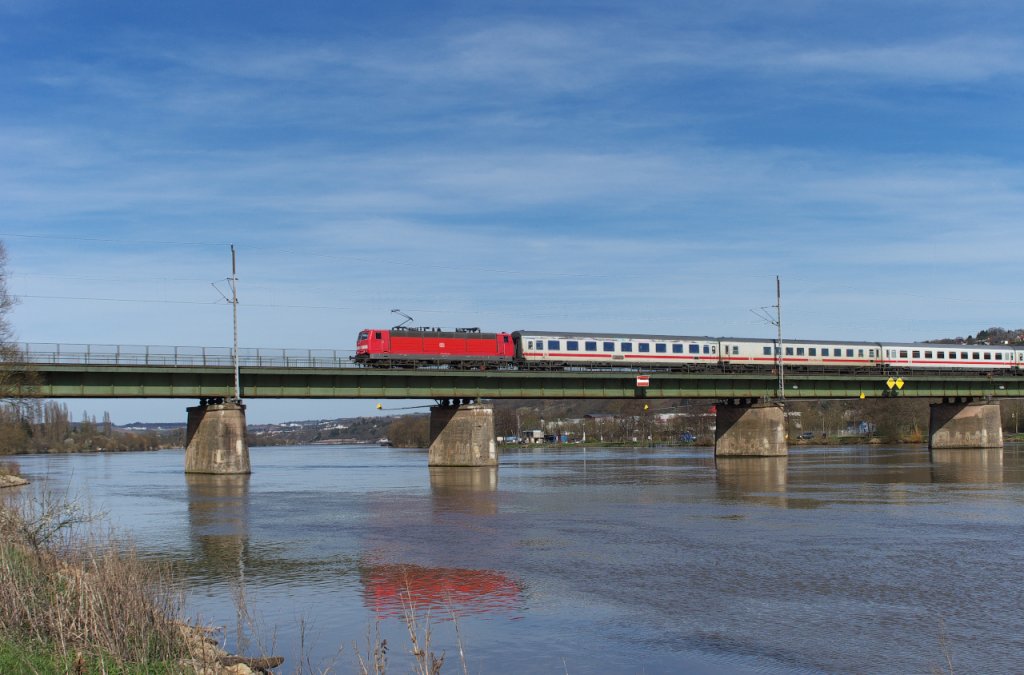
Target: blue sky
[[643, 167]]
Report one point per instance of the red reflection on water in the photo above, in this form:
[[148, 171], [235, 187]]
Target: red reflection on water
[[392, 589]]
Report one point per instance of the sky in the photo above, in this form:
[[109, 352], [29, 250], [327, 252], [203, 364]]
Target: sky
[[645, 167]]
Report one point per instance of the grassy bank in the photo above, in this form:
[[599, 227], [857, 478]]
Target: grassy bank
[[74, 598]]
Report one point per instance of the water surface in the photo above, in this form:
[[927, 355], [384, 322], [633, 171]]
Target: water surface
[[853, 559]]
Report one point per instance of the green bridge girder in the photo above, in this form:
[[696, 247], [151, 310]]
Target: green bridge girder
[[187, 382]]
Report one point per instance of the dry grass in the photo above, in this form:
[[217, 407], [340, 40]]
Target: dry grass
[[82, 594]]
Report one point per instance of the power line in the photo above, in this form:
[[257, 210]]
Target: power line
[[147, 301], [108, 240], [33, 275], [256, 305], [330, 256]]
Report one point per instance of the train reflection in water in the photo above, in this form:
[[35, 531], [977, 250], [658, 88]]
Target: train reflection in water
[[393, 590]]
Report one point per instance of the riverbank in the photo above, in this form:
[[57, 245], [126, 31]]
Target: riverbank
[[77, 598], [7, 480]]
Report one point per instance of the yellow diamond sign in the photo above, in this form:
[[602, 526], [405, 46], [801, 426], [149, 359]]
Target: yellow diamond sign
[[899, 383], [890, 383]]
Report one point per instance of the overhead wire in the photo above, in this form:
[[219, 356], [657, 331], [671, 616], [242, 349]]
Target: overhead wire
[[799, 291]]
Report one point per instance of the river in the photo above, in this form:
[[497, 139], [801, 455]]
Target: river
[[585, 560]]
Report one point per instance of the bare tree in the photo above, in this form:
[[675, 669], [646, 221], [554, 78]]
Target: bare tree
[[16, 378]]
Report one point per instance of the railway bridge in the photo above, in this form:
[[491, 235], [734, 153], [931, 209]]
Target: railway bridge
[[750, 419]]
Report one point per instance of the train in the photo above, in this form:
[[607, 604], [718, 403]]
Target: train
[[554, 350]]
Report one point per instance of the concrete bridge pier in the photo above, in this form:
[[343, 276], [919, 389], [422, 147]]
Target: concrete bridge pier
[[965, 424], [215, 441], [462, 434], [750, 429]]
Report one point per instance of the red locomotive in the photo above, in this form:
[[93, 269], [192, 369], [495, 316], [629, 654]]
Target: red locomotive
[[419, 346]]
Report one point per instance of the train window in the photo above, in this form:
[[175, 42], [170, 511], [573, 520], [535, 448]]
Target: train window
[[767, 351], [789, 351], [963, 355], [928, 355], [916, 354], [506, 339], [849, 352], [940, 355], [590, 346], [999, 356], [626, 346], [677, 349], [903, 353], [572, 345], [377, 335], [529, 344], [824, 351], [988, 356], [976, 356], [554, 345], [644, 347], [812, 351], [695, 349], [362, 336], [708, 349], [609, 346], [799, 351], [735, 350], [661, 348], [860, 353]]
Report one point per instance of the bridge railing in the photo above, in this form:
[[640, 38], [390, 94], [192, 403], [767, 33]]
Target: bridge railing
[[182, 356]]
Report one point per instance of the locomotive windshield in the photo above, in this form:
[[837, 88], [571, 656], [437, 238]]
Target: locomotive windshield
[[363, 336]]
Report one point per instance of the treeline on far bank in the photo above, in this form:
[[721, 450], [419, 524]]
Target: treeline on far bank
[[670, 421], [46, 426]]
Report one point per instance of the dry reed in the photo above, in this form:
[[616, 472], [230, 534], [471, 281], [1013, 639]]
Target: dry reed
[[79, 592]]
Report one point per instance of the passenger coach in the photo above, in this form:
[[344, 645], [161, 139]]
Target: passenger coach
[[935, 356], [746, 353], [545, 349]]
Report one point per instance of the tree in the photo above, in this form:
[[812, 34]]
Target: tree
[[410, 431], [16, 378]]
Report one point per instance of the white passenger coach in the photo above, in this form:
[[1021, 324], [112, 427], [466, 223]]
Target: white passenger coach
[[548, 349], [543, 348]]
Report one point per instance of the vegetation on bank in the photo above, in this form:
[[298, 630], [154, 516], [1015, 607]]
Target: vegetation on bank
[[78, 600], [35, 427], [670, 422]]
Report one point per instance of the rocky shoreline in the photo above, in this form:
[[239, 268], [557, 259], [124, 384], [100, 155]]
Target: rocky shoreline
[[8, 480]]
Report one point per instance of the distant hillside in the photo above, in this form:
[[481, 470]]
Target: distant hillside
[[989, 336], [348, 430]]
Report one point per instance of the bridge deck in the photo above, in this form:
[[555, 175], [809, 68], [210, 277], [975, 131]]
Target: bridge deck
[[191, 382], [140, 371]]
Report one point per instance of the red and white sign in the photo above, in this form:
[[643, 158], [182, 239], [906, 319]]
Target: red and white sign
[[643, 381]]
